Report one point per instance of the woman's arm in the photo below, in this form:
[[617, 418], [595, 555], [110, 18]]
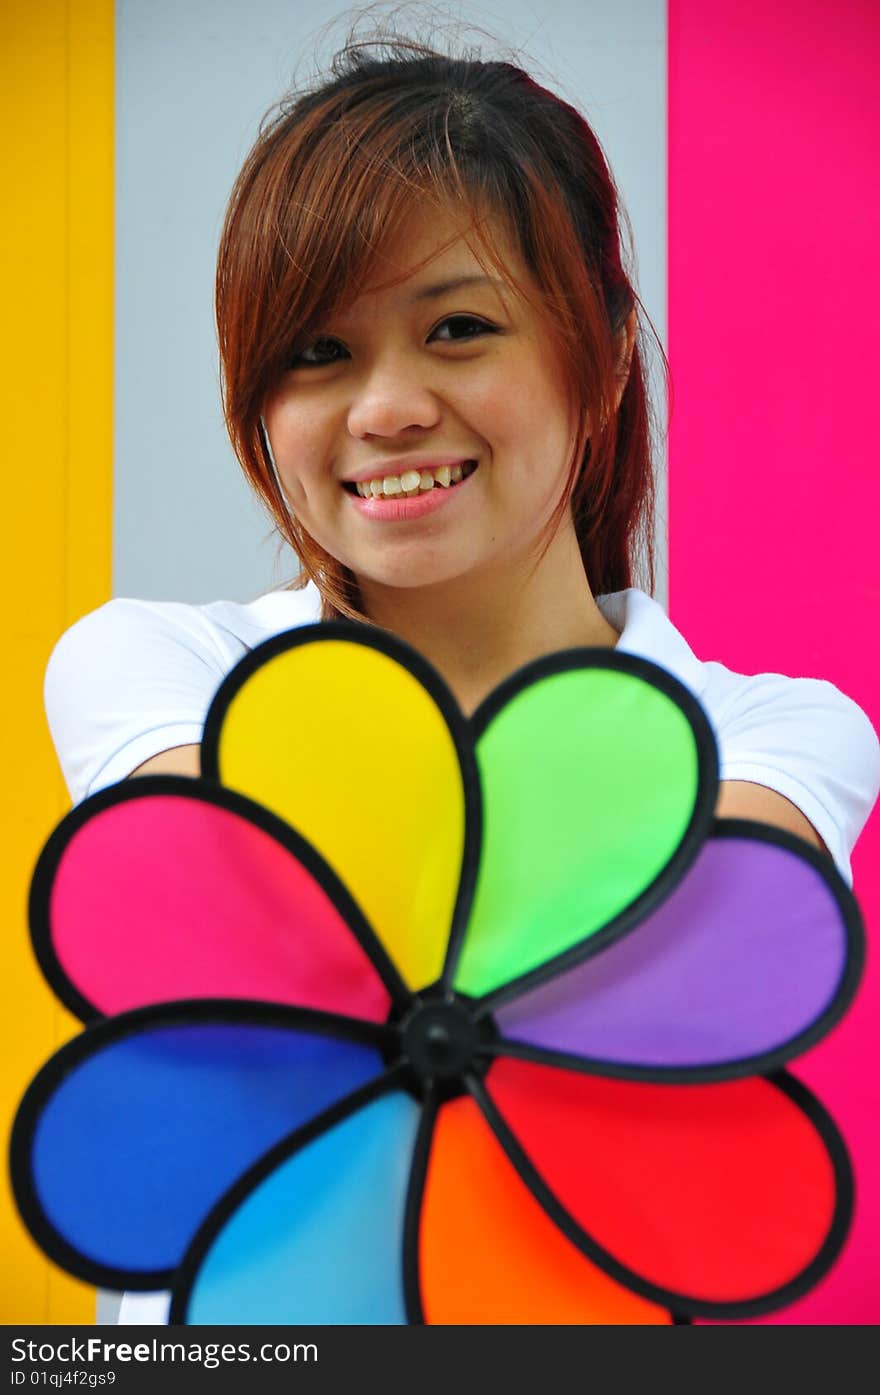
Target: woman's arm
[[179, 760], [737, 799], [740, 799]]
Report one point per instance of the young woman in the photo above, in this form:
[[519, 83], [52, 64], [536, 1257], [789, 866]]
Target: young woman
[[433, 378]]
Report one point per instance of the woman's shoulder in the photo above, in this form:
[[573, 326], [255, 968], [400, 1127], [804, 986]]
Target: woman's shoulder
[[134, 677], [210, 631], [801, 736], [732, 699]]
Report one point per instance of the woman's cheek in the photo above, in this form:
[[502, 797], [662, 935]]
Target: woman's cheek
[[513, 406], [305, 464], [492, 416]]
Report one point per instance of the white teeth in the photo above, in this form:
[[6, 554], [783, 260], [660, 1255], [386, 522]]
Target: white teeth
[[410, 482]]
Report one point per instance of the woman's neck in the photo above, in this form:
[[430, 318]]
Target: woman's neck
[[476, 630]]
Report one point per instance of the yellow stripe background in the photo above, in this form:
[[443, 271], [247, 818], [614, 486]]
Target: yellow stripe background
[[56, 393]]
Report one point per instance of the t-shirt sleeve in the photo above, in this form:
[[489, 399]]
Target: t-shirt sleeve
[[808, 741], [125, 682]]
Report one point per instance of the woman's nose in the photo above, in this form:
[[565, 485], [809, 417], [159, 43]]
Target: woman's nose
[[390, 399]]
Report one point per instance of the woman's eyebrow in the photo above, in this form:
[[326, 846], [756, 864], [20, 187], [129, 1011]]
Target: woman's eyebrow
[[442, 287]]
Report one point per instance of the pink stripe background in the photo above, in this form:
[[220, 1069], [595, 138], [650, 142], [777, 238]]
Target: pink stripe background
[[774, 481]]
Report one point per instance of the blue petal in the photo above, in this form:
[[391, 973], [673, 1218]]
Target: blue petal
[[144, 1132]]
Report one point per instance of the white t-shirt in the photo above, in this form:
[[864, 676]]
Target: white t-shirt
[[134, 678]]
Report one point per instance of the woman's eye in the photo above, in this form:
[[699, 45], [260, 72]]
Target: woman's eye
[[467, 322], [319, 351], [316, 347]]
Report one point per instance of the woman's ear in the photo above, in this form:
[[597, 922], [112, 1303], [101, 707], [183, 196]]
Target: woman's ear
[[626, 340]]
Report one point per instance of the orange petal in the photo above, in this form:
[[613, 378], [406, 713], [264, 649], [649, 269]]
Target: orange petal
[[490, 1254]]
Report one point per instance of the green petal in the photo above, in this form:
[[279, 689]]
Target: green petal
[[593, 766]]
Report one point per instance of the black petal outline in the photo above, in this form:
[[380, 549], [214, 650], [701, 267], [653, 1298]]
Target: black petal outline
[[766, 1062], [430, 679], [204, 792], [681, 1305], [188, 1269], [412, 1281], [96, 1037], [702, 816]]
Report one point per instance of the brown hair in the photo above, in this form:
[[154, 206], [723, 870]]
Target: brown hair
[[334, 167]]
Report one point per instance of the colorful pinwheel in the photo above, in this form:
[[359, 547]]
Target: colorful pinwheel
[[422, 1018]]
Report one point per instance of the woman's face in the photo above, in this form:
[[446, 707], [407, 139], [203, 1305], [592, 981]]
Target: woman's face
[[406, 381]]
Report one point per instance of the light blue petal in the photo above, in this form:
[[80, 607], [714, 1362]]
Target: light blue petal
[[320, 1239]]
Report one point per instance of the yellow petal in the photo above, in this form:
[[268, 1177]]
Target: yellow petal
[[338, 737]]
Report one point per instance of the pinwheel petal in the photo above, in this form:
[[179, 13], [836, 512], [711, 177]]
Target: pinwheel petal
[[706, 979], [595, 771], [314, 1236], [487, 1251], [375, 776], [721, 1200], [129, 1135], [171, 888]]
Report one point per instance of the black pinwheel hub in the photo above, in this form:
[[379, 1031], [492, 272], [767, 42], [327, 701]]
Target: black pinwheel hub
[[440, 1041]]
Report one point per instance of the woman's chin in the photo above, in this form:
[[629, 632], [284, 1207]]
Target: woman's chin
[[413, 578]]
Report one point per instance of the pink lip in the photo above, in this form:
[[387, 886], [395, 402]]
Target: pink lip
[[397, 509]]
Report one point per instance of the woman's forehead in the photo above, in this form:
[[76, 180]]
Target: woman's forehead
[[434, 253]]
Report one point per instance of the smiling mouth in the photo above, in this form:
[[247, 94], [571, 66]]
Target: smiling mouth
[[439, 479]]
